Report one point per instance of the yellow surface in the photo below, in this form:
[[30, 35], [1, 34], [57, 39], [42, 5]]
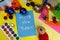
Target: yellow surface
[[53, 35], [2, 21]]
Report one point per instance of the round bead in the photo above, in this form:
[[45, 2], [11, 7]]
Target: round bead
[[6, 24], [10, 29], [23, 11], [12, 32], [3, 27], [15, 35], [12, 38], [54, 20], [10, 17], [7, 32], [10, 10], [5, 17], [28, 4], [9, 35], [32, 4]]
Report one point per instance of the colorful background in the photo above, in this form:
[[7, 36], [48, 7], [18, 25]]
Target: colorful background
[[53, 35]]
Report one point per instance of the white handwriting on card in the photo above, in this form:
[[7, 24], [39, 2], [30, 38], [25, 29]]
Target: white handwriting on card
[[27, 28]]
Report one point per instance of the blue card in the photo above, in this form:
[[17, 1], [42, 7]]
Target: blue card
[[25, 24]]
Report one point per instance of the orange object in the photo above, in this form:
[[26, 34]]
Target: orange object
[[15, 5], [0, 9]]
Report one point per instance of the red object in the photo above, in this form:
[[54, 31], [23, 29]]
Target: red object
[[5, 29], [54, 20], [15, 5], [52, 8], [7, 32], [5, 17], [43, 36]]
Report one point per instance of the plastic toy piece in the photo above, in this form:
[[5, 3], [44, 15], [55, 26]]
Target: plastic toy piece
[[9, 35], [37, 8], [42, 33], [17, 38], [10, 17], [54, 20], [4, 3], [12, 32], [44, 17], [9, 32], [3, 27], [10, 10], [32, 4], [5, 17], [28, 4], [15, 35], [16, 5], [8, 26], [5, 31], [43, 37], [23, 10], [10, 29]]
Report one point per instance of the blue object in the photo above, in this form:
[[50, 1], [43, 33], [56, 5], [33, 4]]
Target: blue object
[[28, 4], [57, 8], [10, 29], [23, 11], [12, 32], [10, 10], [6, 24], [25, 24]]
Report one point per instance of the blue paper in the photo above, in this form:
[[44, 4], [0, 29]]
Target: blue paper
[[25, 24]]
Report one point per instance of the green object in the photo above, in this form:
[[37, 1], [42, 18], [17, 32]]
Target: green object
[[17, 38], [58, 5], [57, 12]]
